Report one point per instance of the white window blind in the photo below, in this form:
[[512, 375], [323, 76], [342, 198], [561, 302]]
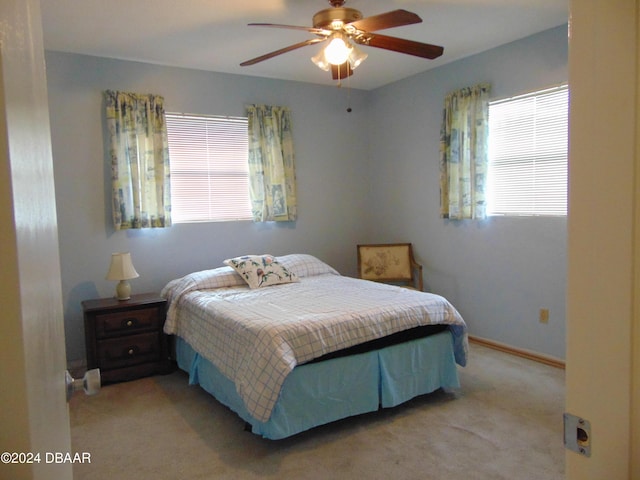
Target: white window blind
[[209, 168], [528, 154]]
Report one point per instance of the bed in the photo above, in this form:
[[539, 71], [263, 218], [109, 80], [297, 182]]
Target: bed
[[290, 344]]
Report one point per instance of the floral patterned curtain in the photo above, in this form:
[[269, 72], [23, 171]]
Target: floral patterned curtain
[[139, 153], [464, 153], [272, 175]]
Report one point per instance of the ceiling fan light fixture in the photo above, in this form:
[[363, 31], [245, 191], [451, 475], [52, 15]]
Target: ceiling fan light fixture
[[338, 50]]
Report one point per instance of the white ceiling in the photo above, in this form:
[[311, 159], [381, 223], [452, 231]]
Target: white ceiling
[[213, 34]]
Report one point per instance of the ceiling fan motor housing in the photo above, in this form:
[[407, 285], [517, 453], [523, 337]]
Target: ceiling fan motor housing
[[341, 15]]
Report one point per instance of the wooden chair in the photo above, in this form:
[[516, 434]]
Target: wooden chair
[[390, 263]]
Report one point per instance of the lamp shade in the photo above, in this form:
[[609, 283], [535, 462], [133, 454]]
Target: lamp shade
[[356, 57], [321, 61], [121, 267]]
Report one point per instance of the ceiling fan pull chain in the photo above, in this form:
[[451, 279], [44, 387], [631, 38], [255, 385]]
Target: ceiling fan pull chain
[[349, 94]]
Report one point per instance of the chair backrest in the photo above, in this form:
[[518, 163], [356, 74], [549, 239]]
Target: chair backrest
[[391, 263]]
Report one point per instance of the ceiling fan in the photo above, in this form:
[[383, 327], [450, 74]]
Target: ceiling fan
[[341, 26]]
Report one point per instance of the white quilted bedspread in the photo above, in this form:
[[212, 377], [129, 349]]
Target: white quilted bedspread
[[256, 337]]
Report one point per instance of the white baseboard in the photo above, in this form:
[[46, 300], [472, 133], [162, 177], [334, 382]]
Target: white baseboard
[[520, 352]]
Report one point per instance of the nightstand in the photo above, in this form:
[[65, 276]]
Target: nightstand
[[124, 338]]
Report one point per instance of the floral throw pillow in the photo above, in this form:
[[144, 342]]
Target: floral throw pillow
[[261, 270]]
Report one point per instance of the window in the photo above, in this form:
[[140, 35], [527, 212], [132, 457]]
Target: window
[[209, 168], [528, 154]]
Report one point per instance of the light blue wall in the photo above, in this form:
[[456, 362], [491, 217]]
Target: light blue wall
[[331, 154], [498, 272], [366, 176]]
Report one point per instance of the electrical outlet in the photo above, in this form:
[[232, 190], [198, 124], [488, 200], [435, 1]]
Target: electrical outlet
[[544, 315]]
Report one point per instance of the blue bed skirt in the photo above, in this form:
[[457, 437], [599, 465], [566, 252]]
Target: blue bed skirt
[[319, 393]]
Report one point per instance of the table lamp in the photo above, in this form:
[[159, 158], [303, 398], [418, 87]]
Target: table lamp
[[122, 269]]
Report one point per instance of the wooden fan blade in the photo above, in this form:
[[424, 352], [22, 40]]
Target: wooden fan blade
[[338, 72], [317, 31], [401, 45], [396, 18], [267, 56]]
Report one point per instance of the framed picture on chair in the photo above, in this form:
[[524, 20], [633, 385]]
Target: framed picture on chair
[[391, 262]]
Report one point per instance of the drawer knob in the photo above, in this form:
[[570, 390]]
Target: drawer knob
[[129, 323], [131, 351]]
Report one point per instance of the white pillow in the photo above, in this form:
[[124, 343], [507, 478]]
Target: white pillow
[[261, 270], [305, 265]]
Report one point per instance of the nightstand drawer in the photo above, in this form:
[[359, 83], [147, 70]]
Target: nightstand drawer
[[130, 350], [127, 322]]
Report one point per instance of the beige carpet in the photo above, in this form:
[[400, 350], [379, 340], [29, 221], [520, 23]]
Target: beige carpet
[[505, 422]]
